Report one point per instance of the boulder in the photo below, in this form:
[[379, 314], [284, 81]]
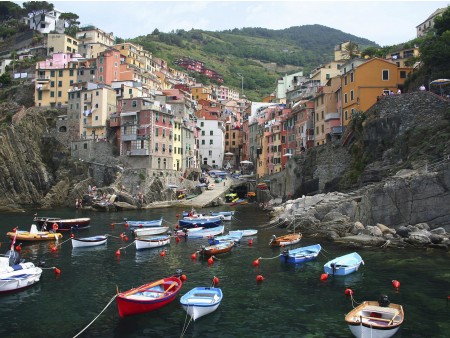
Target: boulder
[[403, 231], [384, 229], [438, 231], [418, 238]]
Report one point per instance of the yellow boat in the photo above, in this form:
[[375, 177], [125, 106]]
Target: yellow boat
[[34, 235]]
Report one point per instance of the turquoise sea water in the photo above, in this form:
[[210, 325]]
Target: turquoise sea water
[[292, 301]]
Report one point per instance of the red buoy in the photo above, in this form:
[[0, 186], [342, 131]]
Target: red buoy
[[250, 242], [324, 277], [112, 224], [194, 255], [396, 284], [183, 278], [18, 248], [54, 249], [216, 281], [72, 236], [57, 271], [259, 278], [125, 238], [177, 239], [162, 253], [118, 252], [126, 225], [210, 260], [256, 262], [348, 292]]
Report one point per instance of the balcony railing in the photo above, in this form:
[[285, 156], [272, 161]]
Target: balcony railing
[[332, 116]]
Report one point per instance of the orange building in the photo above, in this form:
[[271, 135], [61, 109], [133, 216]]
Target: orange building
[[363, 82]]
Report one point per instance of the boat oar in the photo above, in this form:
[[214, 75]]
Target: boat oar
[[143, 287], [170, 287]]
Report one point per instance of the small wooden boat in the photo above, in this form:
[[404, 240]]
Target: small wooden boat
[[377, 319], [204, 223], [203, 218], [343, 265], [84, 242], [301, 255], [216, 249], [151, 242], [148, 297], [245, 232], [34, 235], [150, 231], [201, 301], [16, 275], [202, 233], [284, 240], [60, 224], [143, 224]]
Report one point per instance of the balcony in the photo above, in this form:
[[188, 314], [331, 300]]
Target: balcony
[[332, 116], [336, 130], [42, 87], [128, 137]]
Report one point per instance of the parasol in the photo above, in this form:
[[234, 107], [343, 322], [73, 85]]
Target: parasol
[[440, 83]]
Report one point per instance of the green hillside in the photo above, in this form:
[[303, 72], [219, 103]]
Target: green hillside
[[260, 55]]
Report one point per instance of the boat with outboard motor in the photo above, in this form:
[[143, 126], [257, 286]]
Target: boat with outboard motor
[[34, 235], [62, 224]]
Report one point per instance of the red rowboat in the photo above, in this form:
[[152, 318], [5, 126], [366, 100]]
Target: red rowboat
[[148, 297]]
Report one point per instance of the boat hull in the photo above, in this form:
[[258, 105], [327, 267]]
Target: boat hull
[[371, 320], [151, 242], [143, 224], [201, 233], [17, 277], [201, 301], [89, 241], [301, 255], [148, 297], [63, 224], [343, 265], [285, 240], [26, 236], [217, 249], [199, 223], [150, 231], [245, 233]]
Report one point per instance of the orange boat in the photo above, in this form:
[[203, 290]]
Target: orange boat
[[34, 235], [284, 240], [217, 248]]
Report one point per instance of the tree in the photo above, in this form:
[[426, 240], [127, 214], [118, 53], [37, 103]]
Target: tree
[[72, 22], [36, 8], [351, 50], [9, 10], [442, 22]]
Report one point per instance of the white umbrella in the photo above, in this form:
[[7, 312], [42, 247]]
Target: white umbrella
[[288, 154], [228, 154], [246, 162]]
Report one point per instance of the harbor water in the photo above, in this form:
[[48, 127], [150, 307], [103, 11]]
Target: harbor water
[[291, 301]]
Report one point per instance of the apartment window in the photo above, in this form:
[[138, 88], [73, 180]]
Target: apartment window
[[203, 142], [385, 75], [317, 130], [210, 142], [345, 98], [52, 73], [52, 84], [71, 72], [59, 93], [323, 128], [60, 73], [210, 152], [203, 133], [351, 95], [59, 83], [202, 124], [96, 93], [156, 131], [134, 104], [322, 114], [345, 80], [402, 74], [346, 115], [156, 147], [211, 133], [351, 77], [52, 94]]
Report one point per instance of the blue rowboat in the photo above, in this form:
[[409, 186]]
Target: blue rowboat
[[202, 233], [143, 224], [343, 265], [300, 255], [245, 232], [203, 223], [201, 301], [84, 242], [235, 236]]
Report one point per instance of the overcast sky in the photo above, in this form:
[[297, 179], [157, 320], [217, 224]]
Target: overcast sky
[[384, 22]]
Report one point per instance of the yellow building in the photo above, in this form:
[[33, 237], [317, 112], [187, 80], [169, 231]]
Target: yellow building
[[363, 82], [403, 57], [93, 41], [325, 72], [132, 55], [200, 92], [61, 43]]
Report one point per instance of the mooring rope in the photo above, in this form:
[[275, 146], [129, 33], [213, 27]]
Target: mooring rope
[[126, 246], [270, 257], [186, 325], [112, 299]]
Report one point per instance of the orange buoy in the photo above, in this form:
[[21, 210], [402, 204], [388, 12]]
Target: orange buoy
[[256, 262], [55, 227], [162, 253], [216, 280], [324, 277], [348, 292], [57, 271], [250, 242], [210, 260], [396, 284], [183, 278], [118, 252], [259, 278]]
